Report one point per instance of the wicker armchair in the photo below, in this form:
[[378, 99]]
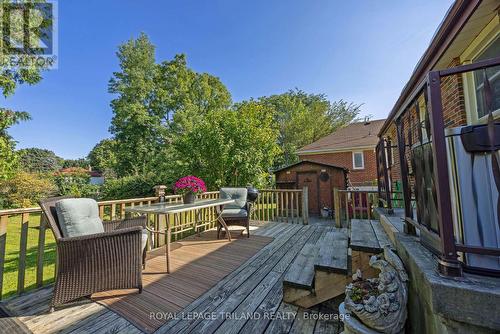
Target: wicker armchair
[[98, 262]]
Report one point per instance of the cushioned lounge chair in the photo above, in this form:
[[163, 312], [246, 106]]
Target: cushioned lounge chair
[[86, 264], [237, 213]]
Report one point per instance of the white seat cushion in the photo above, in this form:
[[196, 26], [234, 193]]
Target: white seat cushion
[[78, 216]]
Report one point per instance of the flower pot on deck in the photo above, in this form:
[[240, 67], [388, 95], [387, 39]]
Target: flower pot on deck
[[188, 198]]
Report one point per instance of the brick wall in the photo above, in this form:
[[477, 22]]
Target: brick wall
[[454, 114], [366, 176], [453, 99]]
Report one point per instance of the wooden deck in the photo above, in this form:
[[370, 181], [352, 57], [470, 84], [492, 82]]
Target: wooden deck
[[247, 300]]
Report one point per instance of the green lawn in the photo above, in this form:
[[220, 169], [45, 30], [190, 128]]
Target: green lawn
[[12, 255]]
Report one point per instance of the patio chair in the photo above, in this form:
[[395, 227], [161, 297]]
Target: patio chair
[[93, 256], [238, 213]]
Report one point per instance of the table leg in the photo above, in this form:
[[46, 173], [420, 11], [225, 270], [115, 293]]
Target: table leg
[[197, 220], [221, 220], [167, 242]]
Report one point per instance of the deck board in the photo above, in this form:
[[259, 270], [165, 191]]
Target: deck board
[[253, 287]]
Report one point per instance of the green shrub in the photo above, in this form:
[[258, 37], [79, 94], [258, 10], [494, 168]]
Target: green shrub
[[24, 190], [131, 186]]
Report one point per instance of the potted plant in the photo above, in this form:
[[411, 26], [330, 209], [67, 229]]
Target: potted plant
[[189, 186]]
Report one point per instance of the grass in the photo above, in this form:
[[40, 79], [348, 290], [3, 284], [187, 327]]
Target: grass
[[11, 264]]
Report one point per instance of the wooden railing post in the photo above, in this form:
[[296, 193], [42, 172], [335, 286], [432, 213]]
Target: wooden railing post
[[23, 242], [160, 192], [336, 206], [305, 205], [3, 238], [41, 250]]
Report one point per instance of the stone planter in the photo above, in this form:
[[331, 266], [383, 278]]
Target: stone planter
[[189, 198], [378, 305]]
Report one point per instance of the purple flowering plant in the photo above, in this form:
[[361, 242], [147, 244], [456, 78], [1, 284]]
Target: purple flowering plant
[[189, 184]]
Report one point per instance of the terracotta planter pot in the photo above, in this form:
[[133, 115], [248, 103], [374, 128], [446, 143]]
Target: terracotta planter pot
[[189, 198]]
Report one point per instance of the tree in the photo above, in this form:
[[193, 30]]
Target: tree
[[155, 103], [24, 190], [30, 72], [303, 118], [137, 120], [77, 163], [8, 158], [37, 160], [189, 96], [11, 77], [103, 157], [230, 147]]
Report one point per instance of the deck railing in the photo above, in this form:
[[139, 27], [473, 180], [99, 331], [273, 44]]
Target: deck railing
[[426, 173], [353, 204], [28, 250], [282, 205]]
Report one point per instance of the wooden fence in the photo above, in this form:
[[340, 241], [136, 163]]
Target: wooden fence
[[35, 252], [282, 205], [353, 204]]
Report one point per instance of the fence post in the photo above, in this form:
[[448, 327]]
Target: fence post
[[3, 240], [336, 206], [305, 205], [160, 192]]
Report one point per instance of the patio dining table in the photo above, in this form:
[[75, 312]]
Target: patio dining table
[[165, 209]]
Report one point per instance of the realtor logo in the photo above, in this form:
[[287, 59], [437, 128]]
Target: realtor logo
[[29, 34]]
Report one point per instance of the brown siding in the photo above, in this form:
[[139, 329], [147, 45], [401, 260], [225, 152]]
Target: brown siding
[[366, 176]]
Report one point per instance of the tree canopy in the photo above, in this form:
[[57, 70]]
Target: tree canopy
[[8, 158], [155, 102], [303, 118], [230, 147], [37, 160], [169, 119], [103, 156]]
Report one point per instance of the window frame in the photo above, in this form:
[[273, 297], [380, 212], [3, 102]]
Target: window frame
[[354, 160], [485, 39]]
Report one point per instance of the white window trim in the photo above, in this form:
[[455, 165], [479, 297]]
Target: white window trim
[[362, 160], [490, 33]]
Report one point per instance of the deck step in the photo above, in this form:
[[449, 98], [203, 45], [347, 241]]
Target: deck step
[[363, 237], [382, 237], [320, 271], [332, 255], [301, 272]]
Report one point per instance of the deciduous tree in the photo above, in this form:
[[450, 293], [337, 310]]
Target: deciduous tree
[[37, 160], [230, 147]]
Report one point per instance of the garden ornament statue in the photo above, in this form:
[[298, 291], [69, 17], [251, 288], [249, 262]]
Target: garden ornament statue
[[378, 303]]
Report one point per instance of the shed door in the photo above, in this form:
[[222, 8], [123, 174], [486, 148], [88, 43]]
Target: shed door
[[310, 180]]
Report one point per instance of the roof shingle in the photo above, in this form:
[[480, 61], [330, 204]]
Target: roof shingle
[[354, 135]]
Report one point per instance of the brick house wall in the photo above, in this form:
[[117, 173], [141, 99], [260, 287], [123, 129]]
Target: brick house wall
[[454, 114], [358, 177]]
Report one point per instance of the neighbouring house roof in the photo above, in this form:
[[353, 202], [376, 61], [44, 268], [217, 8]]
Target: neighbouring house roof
[[311, 162], [353, 136], [464, 18], [73, 170]]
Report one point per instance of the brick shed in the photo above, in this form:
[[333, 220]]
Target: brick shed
[[320, 179]]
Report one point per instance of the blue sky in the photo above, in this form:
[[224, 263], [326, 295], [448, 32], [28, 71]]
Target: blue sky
[[361, 51]]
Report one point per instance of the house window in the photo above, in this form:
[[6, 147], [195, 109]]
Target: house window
[[485, 46], [358, 161], [493, 74]]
